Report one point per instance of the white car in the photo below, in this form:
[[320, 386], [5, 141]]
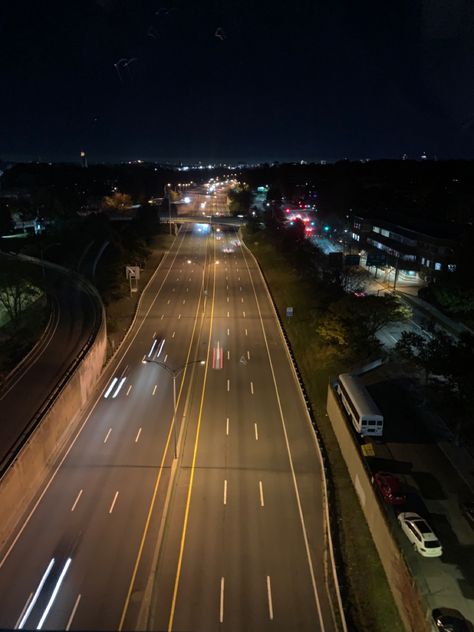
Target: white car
[[420, 534]]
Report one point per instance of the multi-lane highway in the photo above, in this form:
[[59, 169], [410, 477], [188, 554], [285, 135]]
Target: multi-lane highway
[[231, 534]]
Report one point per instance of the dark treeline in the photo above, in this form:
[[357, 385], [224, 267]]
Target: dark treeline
[[425, 190], [437, 191]]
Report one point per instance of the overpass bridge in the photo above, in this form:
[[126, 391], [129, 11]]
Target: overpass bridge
[[217, 220]]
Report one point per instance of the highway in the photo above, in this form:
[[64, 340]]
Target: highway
[[229, 536]]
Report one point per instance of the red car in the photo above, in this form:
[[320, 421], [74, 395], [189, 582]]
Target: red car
[[389, 487]]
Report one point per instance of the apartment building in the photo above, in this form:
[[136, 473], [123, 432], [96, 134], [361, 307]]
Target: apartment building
[[412, 247]]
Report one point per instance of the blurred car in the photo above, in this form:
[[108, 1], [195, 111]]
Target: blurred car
[[467, 509], [446, 620], [420, 534], [389, 486]]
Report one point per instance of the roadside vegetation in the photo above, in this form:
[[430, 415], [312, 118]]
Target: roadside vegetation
[[446, 370], [24, 311], [99, 246], [326, 337]]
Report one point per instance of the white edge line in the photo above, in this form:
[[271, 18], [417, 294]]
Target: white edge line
[[77, 500], [99, 396], [113, 502], [221, 602], [270, 602], [23, 611], [285, 434], [225, 492], [73, 612], [315, 441]]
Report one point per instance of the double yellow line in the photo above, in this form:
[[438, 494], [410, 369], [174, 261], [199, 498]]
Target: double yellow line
[[160, 471], [196, 443]]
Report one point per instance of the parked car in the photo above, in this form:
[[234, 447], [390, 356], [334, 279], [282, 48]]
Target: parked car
[[447, 620], [389, 486], [420, 534], [467, 509]]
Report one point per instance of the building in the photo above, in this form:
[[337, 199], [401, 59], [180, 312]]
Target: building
[[422, 248]]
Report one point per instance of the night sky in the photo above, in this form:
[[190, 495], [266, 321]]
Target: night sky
[[236, 80]]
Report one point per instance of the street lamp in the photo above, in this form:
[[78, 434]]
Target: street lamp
[[174, 374]]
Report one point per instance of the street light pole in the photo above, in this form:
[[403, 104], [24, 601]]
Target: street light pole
[[167, 190], [174, 374], [174, 415]]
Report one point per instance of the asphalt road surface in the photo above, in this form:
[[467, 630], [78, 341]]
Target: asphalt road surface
[[228, 536]]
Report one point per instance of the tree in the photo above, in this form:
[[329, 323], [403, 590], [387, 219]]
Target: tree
[[353, 321], [354, 279], [447, 358], [295, 233], [375, 312], [16, 289], [117, 202], [6, 222], [240, 199]]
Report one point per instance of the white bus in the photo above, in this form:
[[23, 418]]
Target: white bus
[[360, 407]]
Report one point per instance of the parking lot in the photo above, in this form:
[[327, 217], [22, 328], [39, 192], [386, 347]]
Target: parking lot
[[434, 489]]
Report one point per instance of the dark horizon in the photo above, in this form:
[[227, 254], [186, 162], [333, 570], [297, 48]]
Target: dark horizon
[[183, 82]]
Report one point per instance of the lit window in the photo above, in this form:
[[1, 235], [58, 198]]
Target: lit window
[[437, 266], [376, 229], [451, 267], [422, 261]]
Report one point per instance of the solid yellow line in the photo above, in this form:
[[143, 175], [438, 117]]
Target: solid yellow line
[[188, 501], [157, 482]]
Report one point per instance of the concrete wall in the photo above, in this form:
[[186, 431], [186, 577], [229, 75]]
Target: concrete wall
[[399, 578], [35, 461]]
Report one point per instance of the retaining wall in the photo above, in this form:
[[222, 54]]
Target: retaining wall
[[36, 458], [399, 577]]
